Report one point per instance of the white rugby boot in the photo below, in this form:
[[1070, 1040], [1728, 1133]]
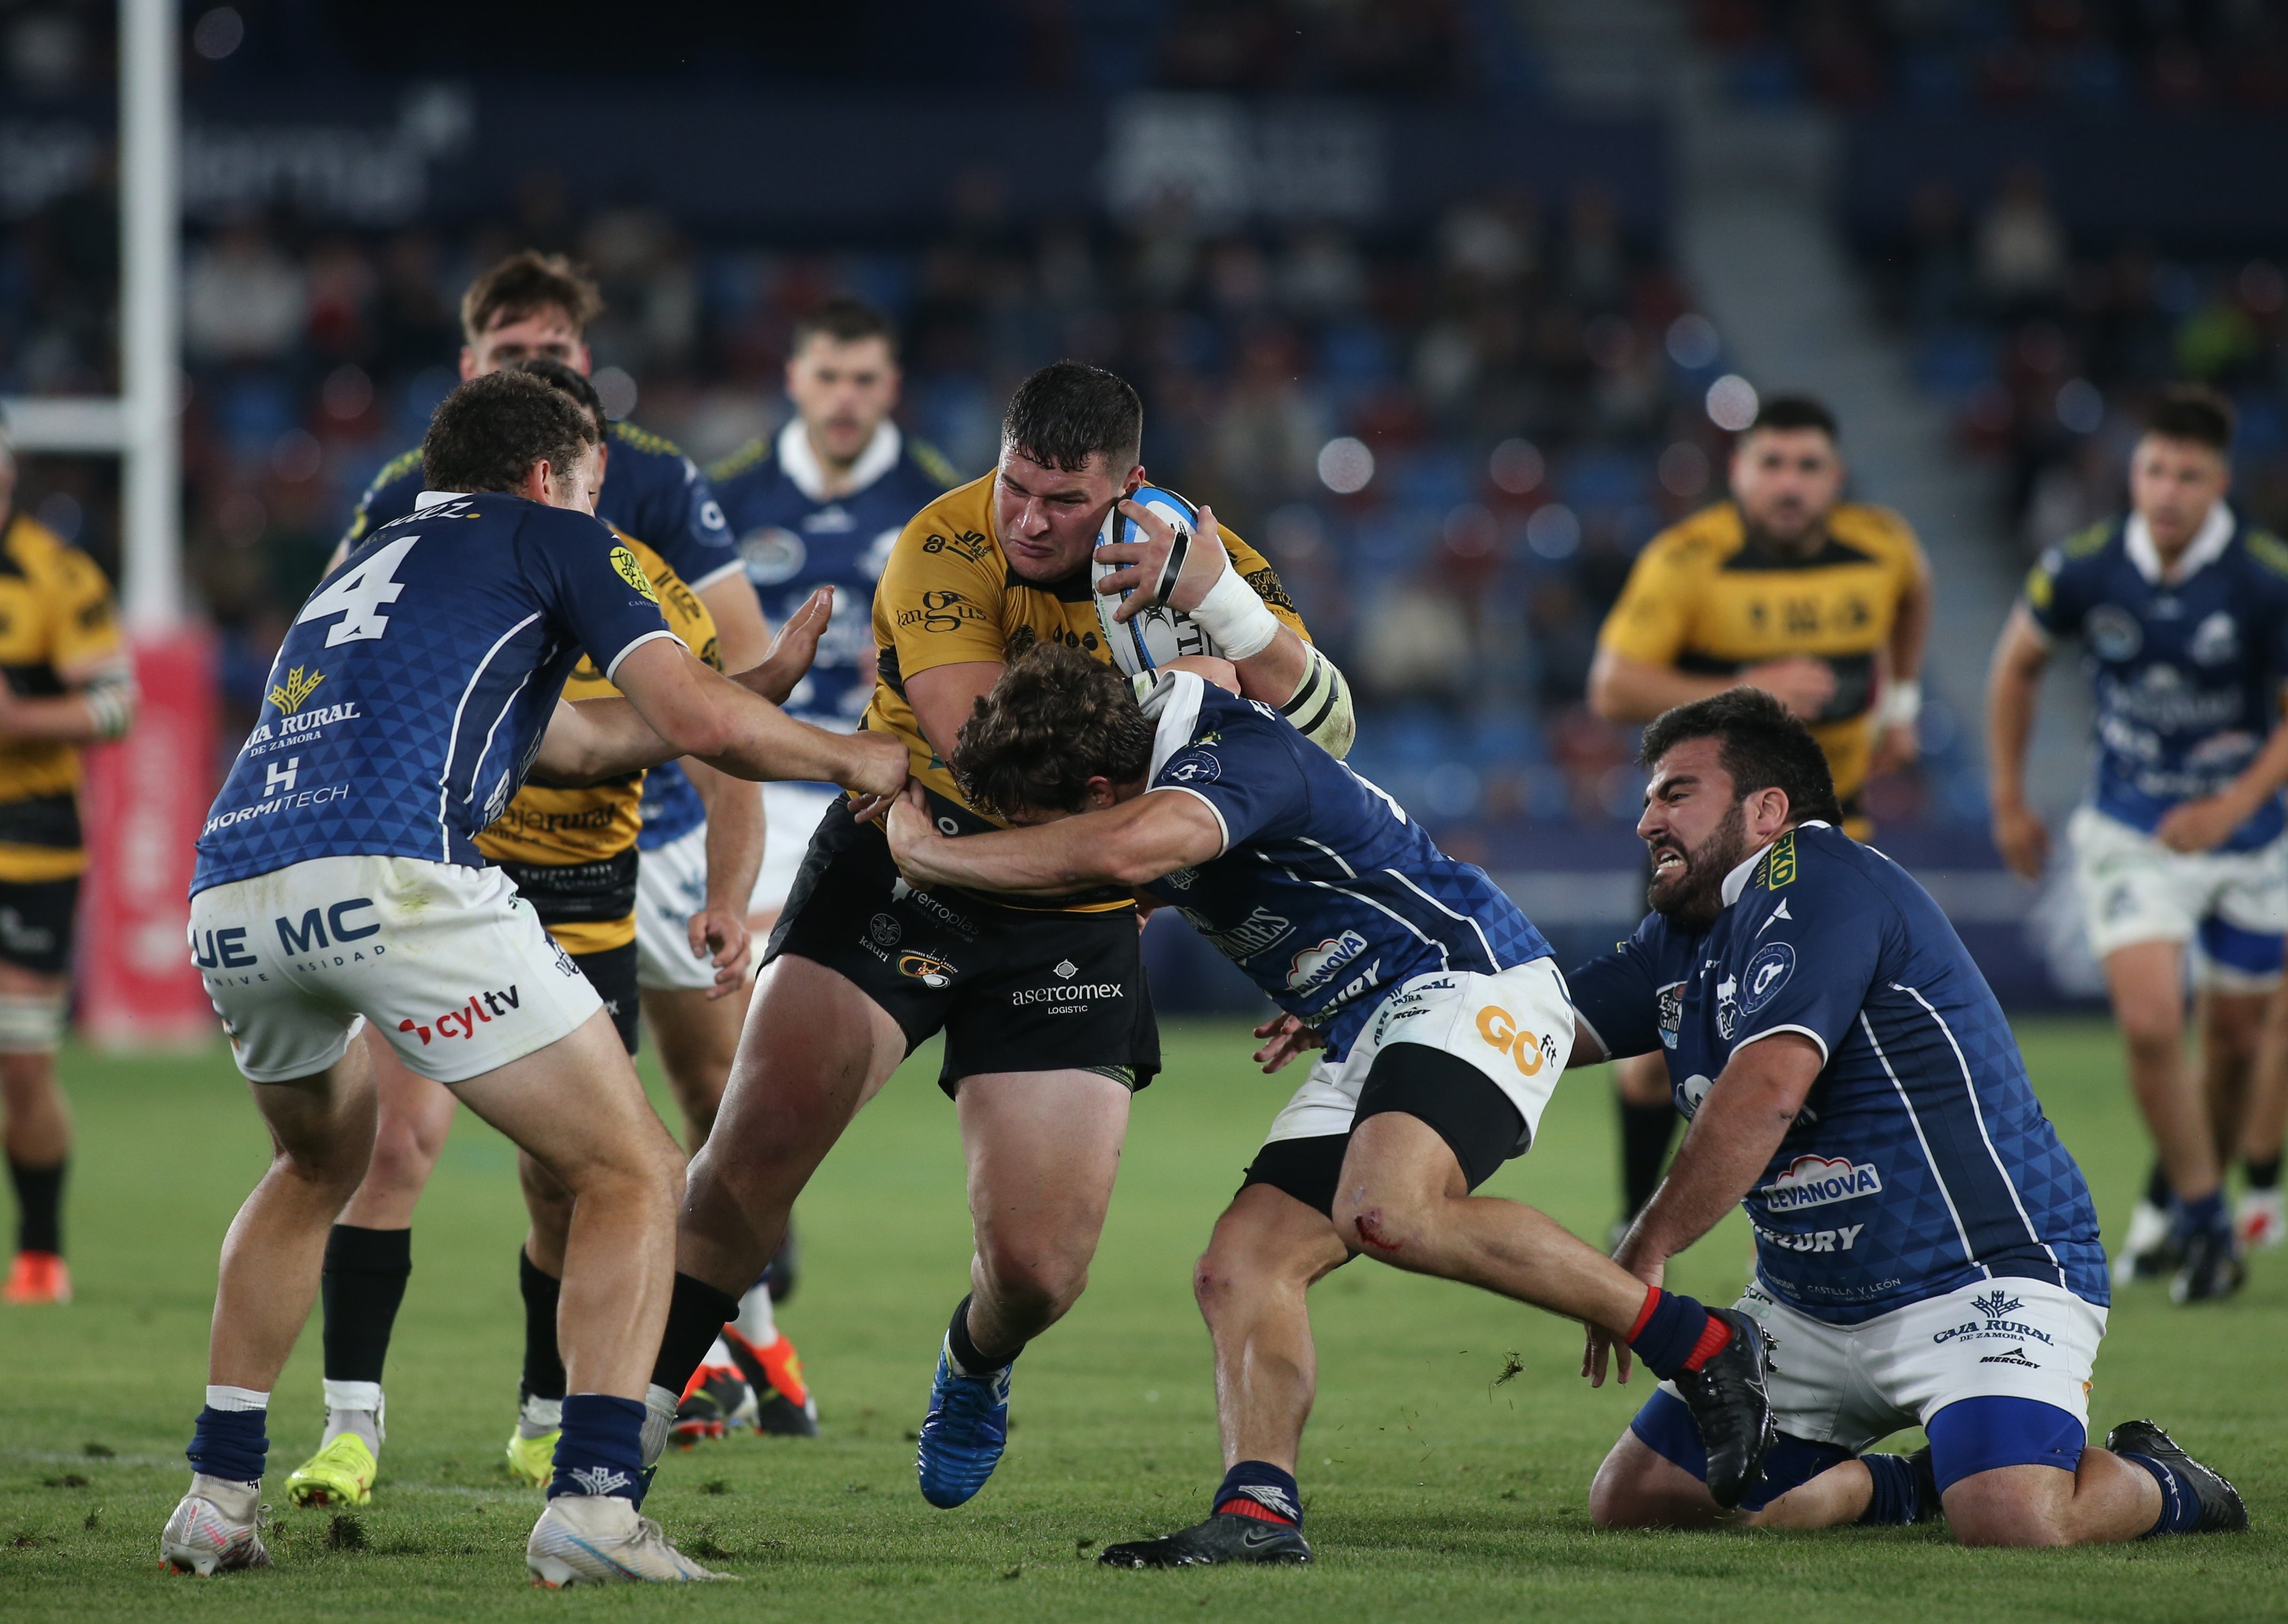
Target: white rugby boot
[[217, 1528], [2261, 1220], [601, 1540]]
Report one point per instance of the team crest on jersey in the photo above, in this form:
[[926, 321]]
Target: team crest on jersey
[[928, 970], [2113, 632], [773, 555], [1767, 973], [288, 695], [1194, 767], [632, 571], [2216, 640], [1728, 1008]]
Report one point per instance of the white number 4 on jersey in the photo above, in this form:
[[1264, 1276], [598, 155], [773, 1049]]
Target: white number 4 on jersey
[[358, 596]]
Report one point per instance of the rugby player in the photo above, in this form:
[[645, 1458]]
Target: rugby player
[[820, 504], [1444, 1020], [572, 853], [2182, 609], [1788, 587], [69, 682], [1043, 1002], [1926, 1249], [338, 883]]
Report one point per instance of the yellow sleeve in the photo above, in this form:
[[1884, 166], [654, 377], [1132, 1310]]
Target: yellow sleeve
[[686, 616], [938, 600], [1653, 618], [1256, 570], [86, 625]]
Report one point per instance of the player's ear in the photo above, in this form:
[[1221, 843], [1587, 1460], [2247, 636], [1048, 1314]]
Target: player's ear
[[468, 363], [1098, 794]]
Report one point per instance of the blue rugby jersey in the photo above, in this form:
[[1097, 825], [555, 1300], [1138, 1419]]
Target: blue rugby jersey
[[2188, 673], [412, 690], [1326, 893], [1921, 1160]]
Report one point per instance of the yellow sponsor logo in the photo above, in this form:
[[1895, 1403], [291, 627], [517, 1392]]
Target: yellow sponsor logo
[[928, 970], [1499, 1027], [288, 695], [632, 571], [1782, 867]]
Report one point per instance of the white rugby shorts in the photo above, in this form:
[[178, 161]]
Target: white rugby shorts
[[671, 887], [449, 963], [1516, 1026], [791, 817], [2230, 907], [1851, 1385]]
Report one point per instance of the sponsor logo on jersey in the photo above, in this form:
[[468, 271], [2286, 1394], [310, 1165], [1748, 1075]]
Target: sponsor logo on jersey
[[1671, 1013], [482, 1009], [1066, 998], [1767, 973], [1181, 879], [631, 570], [2015, 1356], [1813, 1240], [928, 970], [288, 695], [2113, 632], [1814, 1181], [1779, 867], [1727, 1009], [1322, 963], [901, 892], [1259, 932], [970, 544], [1695, 1090], [1996, 1306], [1065, 969], [941, 611], [886, 930], [1193, 767], [1527, 1050]]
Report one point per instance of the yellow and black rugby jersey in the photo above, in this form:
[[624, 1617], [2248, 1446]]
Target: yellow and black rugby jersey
[[58, 627], [572, 852], [947, 597], [1702, 600]]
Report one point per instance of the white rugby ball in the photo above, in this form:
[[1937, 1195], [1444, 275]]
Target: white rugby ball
[[1155, 635]]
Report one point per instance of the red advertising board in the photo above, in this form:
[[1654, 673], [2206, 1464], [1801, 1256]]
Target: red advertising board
[[144, 799]]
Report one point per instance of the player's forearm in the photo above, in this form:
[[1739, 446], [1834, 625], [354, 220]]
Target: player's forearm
[[1305, 686], [1911, 631], [1738, 1126], [1634, 691], [734, 835], [590, 740], [2011, 691], [742, 635], [1047, 861], [63, 719]]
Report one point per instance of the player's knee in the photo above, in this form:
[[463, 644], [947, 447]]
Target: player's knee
[[1615, 1496], [1381, 1222], [1029, 1279], [403, 1157]]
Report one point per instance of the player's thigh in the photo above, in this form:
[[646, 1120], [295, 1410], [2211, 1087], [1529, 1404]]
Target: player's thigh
[[323, 1124], [2145, 982], [815, 1049], [578, 1108], [1042, 1150], [1642, 1079], [2238, 950], [698, 1039], [33, 1005]]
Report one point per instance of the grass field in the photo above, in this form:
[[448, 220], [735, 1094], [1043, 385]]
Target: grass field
[[1435, 1491]]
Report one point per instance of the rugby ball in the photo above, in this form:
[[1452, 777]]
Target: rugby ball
[[1155, 635]]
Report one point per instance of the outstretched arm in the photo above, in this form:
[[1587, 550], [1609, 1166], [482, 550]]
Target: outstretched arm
[[2013, 692], [1131, 844]]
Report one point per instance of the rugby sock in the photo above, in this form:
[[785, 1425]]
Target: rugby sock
[[543, 1387], [1260, 1490], [967, 1358], [229, 1441], [39, 1206], [2157, 1192], [1674, 1334], [758, 1319], [362, 1285], [601, 1451], [1897, 1498], [354, 1406], [1645, 1133], [2264, 1175], [2208, 1216], [2180, 1507], [696, 1315]]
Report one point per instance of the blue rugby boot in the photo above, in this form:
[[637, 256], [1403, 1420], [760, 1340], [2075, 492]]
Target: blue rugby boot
[[963, 1434]]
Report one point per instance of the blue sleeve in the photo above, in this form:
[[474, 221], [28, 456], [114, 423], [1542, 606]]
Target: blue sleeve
[[1617, 994], [694, 537], [593, 584], [1809, 966], [2054, 594], [1245, 773]]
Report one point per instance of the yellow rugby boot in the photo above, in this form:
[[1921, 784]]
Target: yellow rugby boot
[[341, 1474], [532, 1461]]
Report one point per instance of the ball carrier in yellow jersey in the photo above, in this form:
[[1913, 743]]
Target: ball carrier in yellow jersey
[[1046, 1018], [1822, 603]]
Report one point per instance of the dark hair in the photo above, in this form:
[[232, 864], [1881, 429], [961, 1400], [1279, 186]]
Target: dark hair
[[1068, 411], [564, 380], [2194, 412], [1056, 718], [526, 283], [488, 433], [1765, 747], [1796, 412], [846, 320]]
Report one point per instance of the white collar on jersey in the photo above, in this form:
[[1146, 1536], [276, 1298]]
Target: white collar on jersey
[[2208, 545], [1736, 881], [1175, 701], [800, 459], [424, 500]]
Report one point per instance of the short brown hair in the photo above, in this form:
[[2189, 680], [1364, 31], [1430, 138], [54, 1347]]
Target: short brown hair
[[1069, 411], [845, 319], [524, 283], [2194, 412], [1056, 718], [488, 433], [1763, 745]]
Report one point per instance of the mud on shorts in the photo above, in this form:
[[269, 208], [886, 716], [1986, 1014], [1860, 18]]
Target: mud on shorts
[[1013, 989]]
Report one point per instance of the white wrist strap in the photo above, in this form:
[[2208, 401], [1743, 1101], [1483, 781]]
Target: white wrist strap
[[1902, 703], [1239, 623]]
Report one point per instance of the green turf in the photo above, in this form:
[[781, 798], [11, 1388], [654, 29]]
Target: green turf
[[1436, 1491]]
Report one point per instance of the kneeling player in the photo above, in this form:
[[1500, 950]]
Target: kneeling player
[[1444, 1018], [1926, 1248]]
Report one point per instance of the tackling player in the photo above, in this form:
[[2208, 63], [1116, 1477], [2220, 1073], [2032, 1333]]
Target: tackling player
[[1926, 1249], [1444, 1020], [1043, 1002], [69, 682], [338, 883], [2182, 607], [1788, 587], [820, 505]]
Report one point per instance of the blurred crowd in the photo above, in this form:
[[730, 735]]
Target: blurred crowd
[[2177, 55]]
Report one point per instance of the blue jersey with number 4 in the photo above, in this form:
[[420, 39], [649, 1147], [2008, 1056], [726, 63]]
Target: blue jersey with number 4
[[411, 692], [1326, 893], [1921, 1160]]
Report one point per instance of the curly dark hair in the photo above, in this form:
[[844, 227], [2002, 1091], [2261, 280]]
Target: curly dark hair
[[1056, 719], [564, 380], [488, 433], [1765, 747]]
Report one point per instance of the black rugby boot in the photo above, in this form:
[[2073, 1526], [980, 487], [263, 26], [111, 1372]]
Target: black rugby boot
[[2212, 1268], [1225, 1537], [1730, 1404], [2221, 1511]]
